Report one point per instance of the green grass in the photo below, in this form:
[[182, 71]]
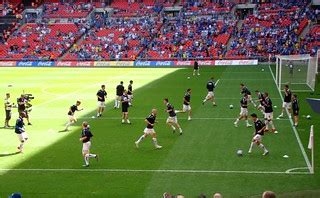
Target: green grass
[[205, 154]]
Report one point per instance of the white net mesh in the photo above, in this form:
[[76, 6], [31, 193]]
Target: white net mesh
[[298, 71]]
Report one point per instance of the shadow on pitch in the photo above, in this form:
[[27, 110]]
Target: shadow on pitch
[[9, 128], [9, 154]]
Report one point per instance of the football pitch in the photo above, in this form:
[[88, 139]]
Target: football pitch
[[202, 160]]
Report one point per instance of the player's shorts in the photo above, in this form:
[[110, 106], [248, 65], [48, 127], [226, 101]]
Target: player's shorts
[[101, 104], [172, 119], [268, 116], [149, 131], [86, 146], [295, 112], [257, 137], [124, 109], [22, 136], [130, 97], [260, 106], [186, 107], [72, 117], [286, 105], [210, 94], [8, 114], [118, 98], [244, 111]]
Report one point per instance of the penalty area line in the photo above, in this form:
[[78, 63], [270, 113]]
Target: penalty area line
[[157, 171]]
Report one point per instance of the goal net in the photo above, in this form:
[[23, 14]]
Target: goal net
[[297, 71]]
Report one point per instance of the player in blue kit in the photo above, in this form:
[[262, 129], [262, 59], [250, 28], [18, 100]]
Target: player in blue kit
[[20, 131]]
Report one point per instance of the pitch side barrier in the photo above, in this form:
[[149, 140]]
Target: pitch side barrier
[[139, 63]]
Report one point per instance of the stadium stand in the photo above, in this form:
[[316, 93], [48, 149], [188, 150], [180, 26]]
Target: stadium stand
[[200, 38], [40, 41], [272, 33], [117, 39], [201, 29]]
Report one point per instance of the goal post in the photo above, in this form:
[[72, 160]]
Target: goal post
[[297, 71]]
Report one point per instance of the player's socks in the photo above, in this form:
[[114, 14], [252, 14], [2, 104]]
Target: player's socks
[[271, 123], [86, 159], [248, 125], [173, 128], [180, 131], [140, 139], [236, 122], [205, 100], [155, 142], [68, 125], [92, 155], [250, 149], [265, 151], [122, 121], [21, 146], [189, 118], [115, 103], [128, 121]]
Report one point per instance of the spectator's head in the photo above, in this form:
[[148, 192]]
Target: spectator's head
[[268, 194], [167, 195], [217, 195], [165, 101]]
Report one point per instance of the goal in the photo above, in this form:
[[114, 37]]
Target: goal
[[297, 71]]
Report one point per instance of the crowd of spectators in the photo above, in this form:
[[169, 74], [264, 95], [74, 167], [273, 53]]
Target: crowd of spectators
[[206, 7], [272, 33], [130, 8], [66, 10], [191, 37]]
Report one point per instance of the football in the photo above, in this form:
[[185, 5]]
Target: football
[[239, 152], [231, 106], [308, 116]]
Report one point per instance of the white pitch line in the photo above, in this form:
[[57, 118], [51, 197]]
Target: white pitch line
[[294, 129], [157, 171], [217, 82], [139, 118]]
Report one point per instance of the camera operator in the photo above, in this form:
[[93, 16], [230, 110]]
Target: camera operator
[[22, 106], [7, 106]]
